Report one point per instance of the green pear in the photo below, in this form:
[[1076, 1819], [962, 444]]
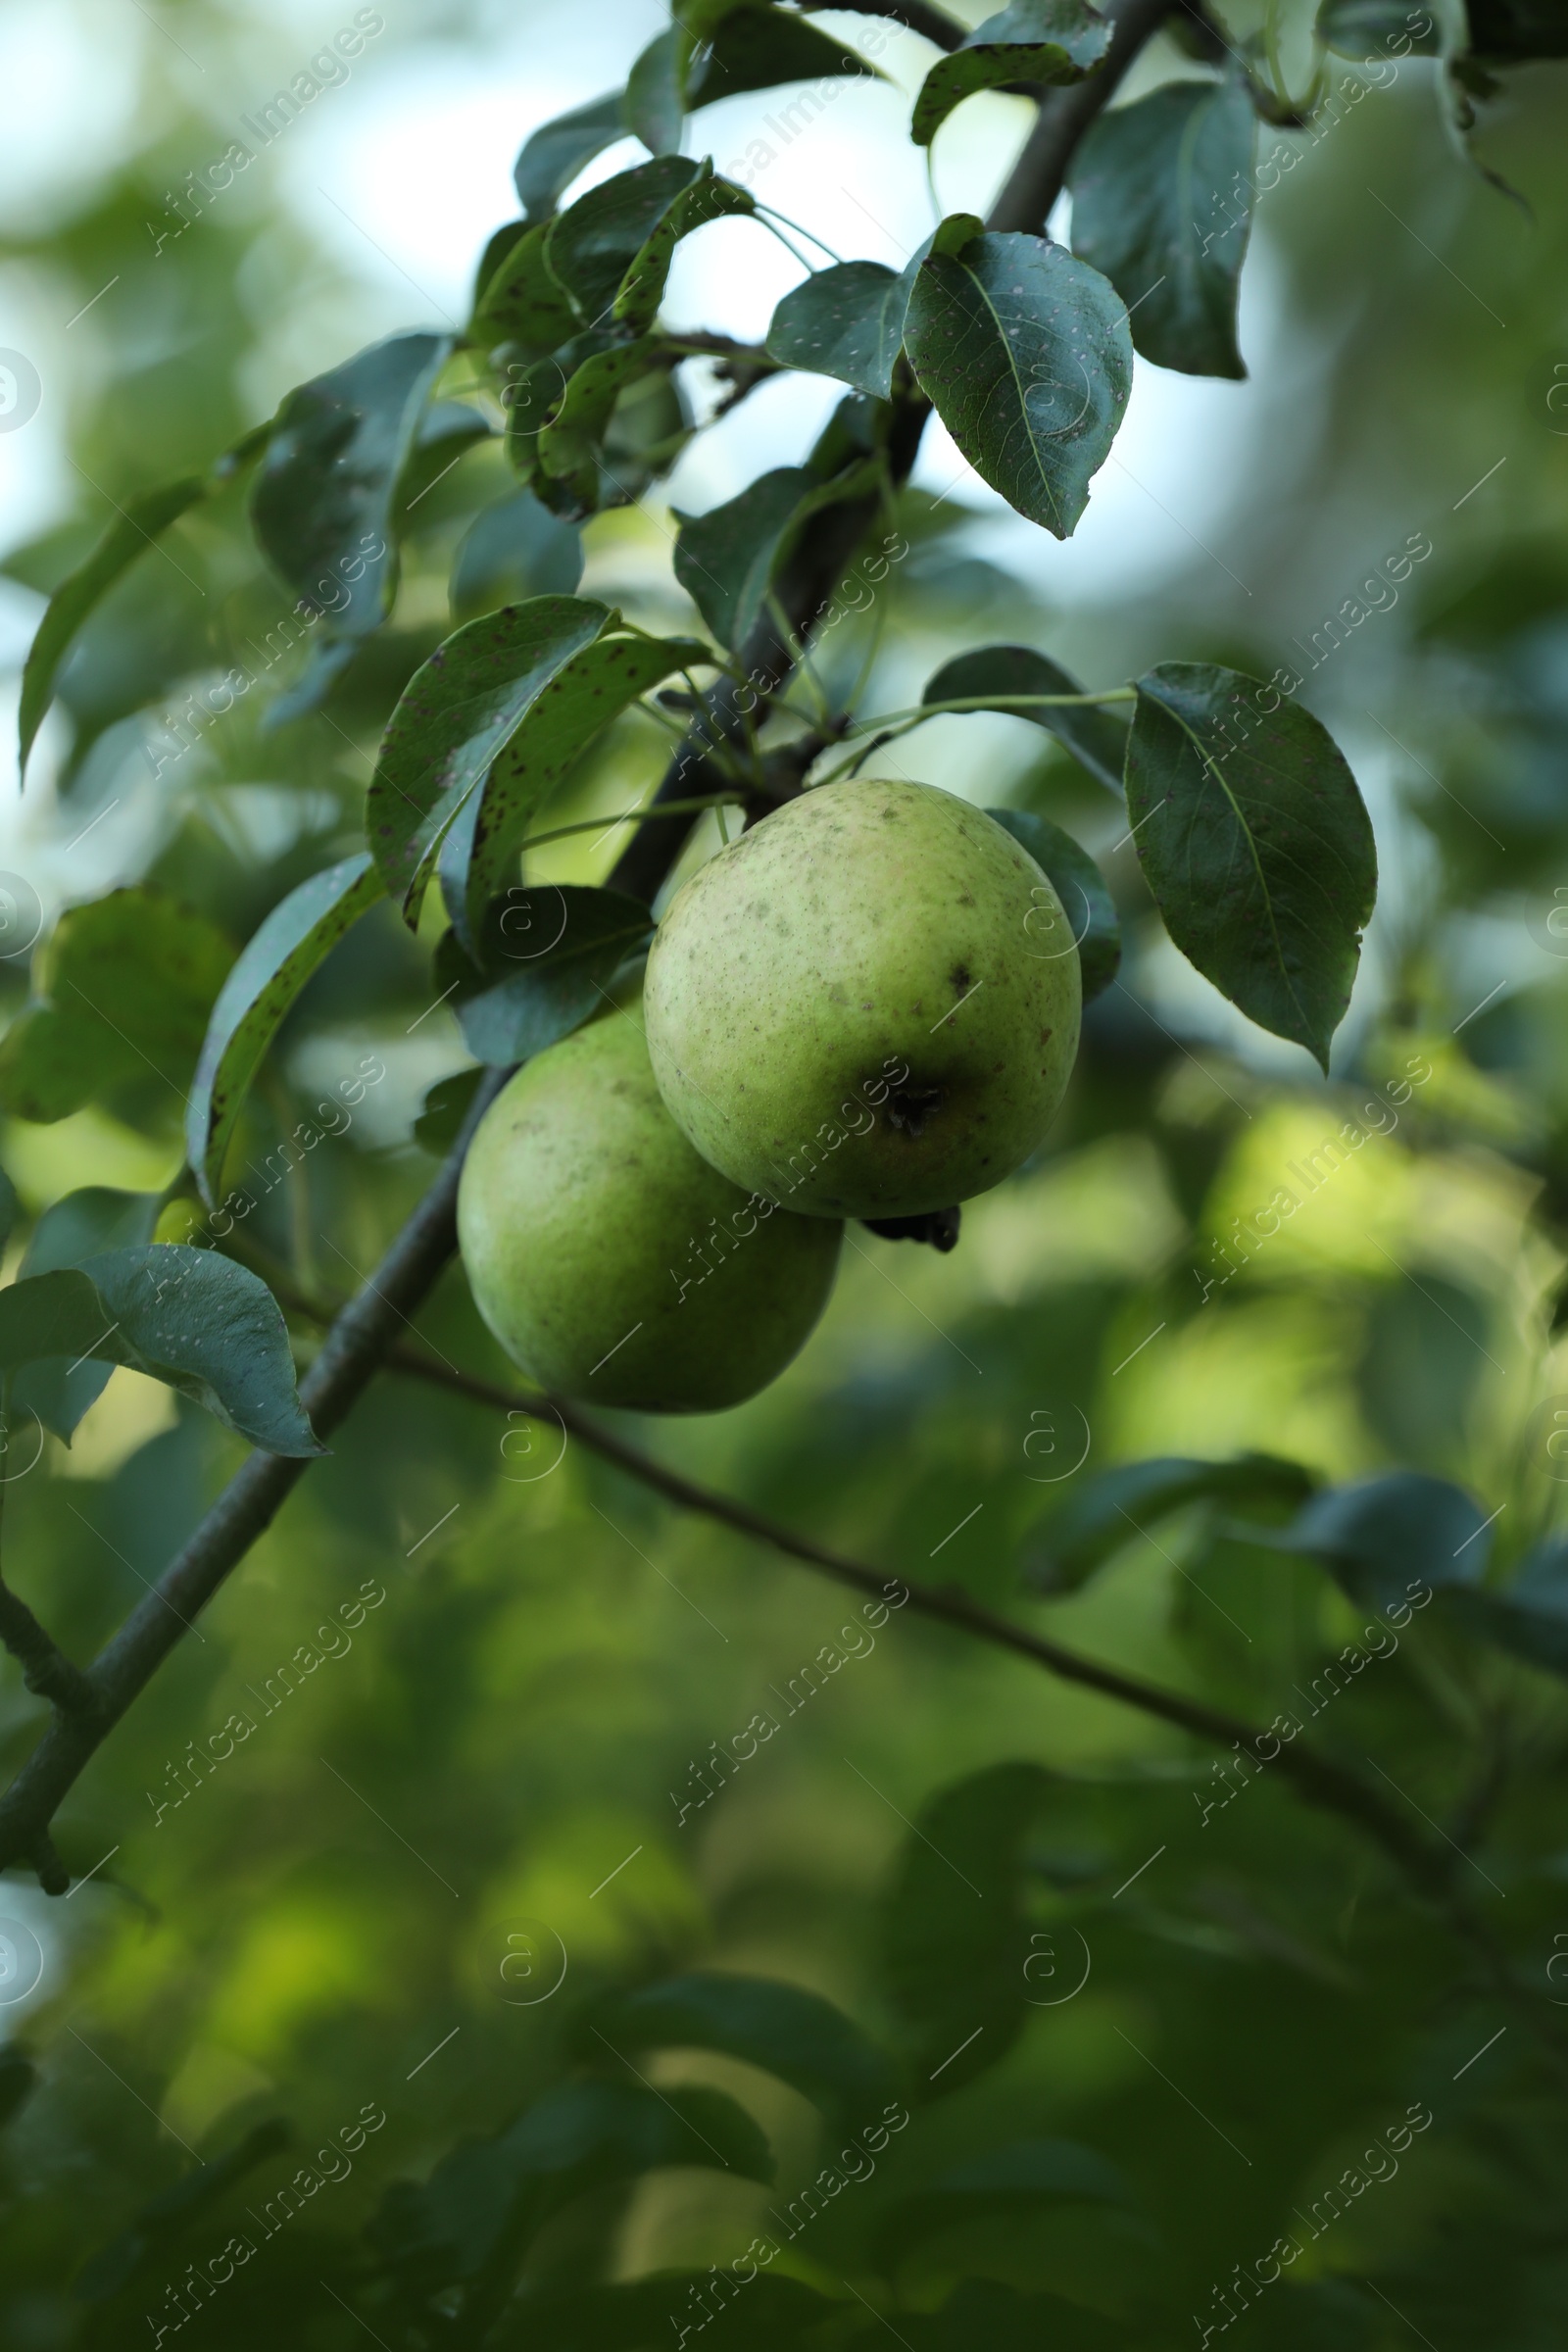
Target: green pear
[[611, 1262], [867, 1006]]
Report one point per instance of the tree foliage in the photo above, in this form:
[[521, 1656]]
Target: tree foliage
[[784, 1998]]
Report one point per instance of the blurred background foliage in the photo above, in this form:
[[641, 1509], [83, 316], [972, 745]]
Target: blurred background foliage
[[505, 1739]]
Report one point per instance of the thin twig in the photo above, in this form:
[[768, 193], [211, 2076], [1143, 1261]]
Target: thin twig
[[1323, 1783], [1319, 1777], [45, 1667], [1326, 1783], [697, 343]]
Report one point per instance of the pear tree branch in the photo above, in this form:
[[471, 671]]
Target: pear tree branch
[[1317, 1777]]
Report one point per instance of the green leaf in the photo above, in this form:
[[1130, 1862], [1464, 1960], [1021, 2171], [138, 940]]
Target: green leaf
[[1121, 1504], [122, 991], [1034, 40], [592, 425], [1255, 843], [726, 558], [1021, 2178], [547, 955], [212, 1329], [954, 1934], [533, 393], [10, 1208], [132, 531], [325, 663], [1423, 1353], [446, 1107], [1384, 1538], [1528, 1618], [1025, 354], [497, 246], [1086, 900], [19, 2079], [154, 634], [574, 431], [611, 249], [980, 2311], [729, 559], [489, 2198], [585, 693], [512, 551], [456, 714], [749, 48], [757, 48], [651, 424], [86, 1223], [954, 233], [77, 596], [446, 432], [771, 2316], [294, 939], [81, 1225], [1154, 210], [787, 2032], [322, 502], [655, 104], [1514, 32], [552, 157], [188, 1317], [522, 306], [52, 1314], [847, 322], [163, 2222], [1002, 673], [1366, 28]]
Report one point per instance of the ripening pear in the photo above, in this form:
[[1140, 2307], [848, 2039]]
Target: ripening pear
[[867, 1006], [611, 1261]]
